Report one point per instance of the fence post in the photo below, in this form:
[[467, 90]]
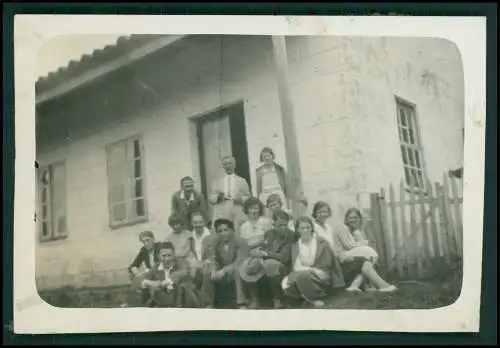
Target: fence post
[[378, 230]]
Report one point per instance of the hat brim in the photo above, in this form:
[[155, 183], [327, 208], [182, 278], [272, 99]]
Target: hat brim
[[250, 278]]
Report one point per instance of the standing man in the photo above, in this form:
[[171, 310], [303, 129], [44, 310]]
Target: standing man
[[186, 201], [229, 193]]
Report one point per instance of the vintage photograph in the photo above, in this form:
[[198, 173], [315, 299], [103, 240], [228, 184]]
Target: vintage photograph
[[249, 172]]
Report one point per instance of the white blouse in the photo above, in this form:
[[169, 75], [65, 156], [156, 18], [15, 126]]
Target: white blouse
[[325, 232], [307, 255]]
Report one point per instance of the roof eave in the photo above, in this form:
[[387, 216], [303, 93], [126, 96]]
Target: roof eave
[[106, 68]]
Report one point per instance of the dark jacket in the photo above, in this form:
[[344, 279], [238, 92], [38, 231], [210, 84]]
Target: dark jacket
[[143, 257], [280, 171], [278, 246], [233, 257], [184, 207]]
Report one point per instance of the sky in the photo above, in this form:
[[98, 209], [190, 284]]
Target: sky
[[59, 51]]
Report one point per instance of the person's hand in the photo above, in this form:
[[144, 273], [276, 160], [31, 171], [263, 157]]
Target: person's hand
[[348, 259], [216, 275], [258, 253], [285, 283], [150, 284], [167, 284]]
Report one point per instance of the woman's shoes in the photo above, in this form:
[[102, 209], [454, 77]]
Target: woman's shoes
[[352, 289], [390, 288]]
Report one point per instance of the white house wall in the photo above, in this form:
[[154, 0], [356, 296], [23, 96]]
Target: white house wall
[[345, 126]]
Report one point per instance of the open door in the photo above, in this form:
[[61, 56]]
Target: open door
[[222, 133]]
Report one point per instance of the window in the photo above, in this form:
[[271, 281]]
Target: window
[[126, 193], [52, 209], [411, 150]]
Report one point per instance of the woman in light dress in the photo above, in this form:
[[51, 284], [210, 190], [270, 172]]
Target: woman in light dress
[[271, 178], [356, 257]]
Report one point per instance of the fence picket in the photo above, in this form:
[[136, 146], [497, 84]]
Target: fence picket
[[404, 230], [434, 228], [395, 230], [458, 216], [416, 247], [377, 226], [387, 229], [449, 218], [442, 222], [425, 237]]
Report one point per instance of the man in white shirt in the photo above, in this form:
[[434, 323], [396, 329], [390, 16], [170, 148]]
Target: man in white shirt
[[229, 193]]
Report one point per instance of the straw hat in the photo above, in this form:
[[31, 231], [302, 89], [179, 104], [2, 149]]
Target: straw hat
[[252, 270]]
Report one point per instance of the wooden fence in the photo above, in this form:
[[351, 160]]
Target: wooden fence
[[416, 230]]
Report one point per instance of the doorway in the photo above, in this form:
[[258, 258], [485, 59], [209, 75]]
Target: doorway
[[222, 133]]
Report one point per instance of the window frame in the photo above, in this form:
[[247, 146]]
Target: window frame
[[53, 234], [128, 190], [414, 126]]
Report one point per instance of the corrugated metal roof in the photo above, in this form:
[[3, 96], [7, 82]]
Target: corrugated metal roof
[[123, 45]]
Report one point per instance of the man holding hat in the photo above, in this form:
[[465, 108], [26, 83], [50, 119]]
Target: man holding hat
[[270, 261]]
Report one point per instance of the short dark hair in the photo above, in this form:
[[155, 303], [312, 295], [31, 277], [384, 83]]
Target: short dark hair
[[195, 213], [250, 202], [304, 219], [281, 214], [353, 210], [147, 234], [317, 206], [223, 221], [185, 179], [174, 219], [165, 245], [266, 150], [272, 198]]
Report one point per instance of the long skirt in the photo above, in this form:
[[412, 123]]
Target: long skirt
[[351, 269], [307, 285]]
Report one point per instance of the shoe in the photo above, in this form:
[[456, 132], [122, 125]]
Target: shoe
[[254, 304], [277, 304], [390, 288], [318, 304], [242, 307], [351, 289], [370, 289]]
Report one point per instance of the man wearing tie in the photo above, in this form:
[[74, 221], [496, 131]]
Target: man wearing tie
[[229, 193]]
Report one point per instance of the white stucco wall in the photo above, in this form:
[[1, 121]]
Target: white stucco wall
[[343, 91]]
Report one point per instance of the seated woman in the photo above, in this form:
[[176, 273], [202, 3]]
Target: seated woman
[[269, 261], [356, 268], [359, 246], [314, 267], [147, 257], [256, 224], [179, 237], [321, 212], [227, 255]]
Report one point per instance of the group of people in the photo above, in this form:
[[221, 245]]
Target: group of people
[[251, 251]]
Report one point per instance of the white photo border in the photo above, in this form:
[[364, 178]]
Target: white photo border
[[34, 316]]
